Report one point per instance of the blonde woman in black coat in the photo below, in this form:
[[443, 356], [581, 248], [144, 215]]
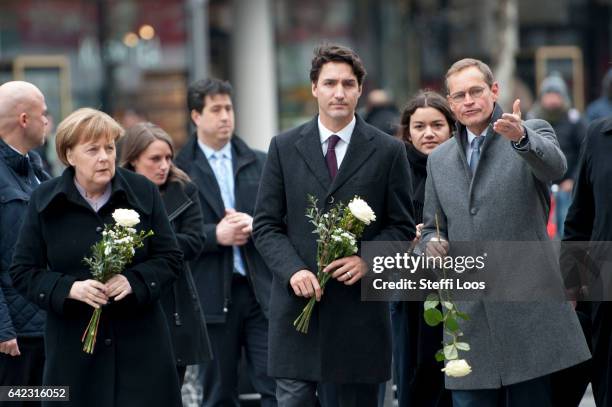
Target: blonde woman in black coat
[[148, 150], [132, 363]]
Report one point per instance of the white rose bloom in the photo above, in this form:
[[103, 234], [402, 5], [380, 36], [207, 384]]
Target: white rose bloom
[[107, 250], [457, 368], [362, 211], [126, 217]]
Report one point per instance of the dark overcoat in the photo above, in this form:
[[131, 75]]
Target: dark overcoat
[[213, 269], [132, 363], [348, 340], [181, 302]]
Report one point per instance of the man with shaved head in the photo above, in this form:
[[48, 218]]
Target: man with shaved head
[[23, 124]]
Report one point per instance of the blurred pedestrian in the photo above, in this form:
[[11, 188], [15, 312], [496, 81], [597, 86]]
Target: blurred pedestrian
[[602, 106], [554, 106], [381, 112]]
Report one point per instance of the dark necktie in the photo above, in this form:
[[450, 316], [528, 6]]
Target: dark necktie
[[330, 156]]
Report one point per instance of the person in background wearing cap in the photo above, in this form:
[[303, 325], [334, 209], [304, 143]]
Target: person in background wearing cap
[[554, 106]]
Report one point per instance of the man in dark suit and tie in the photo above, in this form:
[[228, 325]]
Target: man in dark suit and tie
[[232, 280], [334, 157]]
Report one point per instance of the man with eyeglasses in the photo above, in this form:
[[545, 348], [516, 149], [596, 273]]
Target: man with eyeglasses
[[490, 183]]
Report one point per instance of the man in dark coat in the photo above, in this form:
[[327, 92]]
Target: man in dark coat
[[23, 124], [232, 279], [589, 219], [348, 342]]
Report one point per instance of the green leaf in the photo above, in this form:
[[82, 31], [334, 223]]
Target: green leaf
[[431, 301], [433, 316], [463, 346], [450, 352], [463, 315], [440, 355], [448, 305], [451, 323]]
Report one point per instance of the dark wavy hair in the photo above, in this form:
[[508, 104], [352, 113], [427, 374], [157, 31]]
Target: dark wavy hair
[[424, 98], [136, 140], [336, 53]]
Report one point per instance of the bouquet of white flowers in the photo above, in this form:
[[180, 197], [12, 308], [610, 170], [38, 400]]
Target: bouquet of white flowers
[[338, 231], [109, 257]]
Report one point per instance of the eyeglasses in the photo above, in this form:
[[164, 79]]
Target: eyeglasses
[[475, 92]]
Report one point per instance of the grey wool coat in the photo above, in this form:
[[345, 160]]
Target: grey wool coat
[[349, 340], [506, 200]]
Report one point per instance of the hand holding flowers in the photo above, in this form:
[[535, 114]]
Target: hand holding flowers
[[110, 255], [338, 232]]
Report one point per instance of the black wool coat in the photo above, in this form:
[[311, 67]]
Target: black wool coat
[[214, 267], [132, 363], [349, 340], [181, 302]]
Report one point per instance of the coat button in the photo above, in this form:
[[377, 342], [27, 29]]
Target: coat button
[[41, 296], [99, 229], [473, 211], [330, 200], [179, 361], [108, 342], [153, 284]]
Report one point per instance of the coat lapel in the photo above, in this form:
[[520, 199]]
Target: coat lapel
[[207, 182], [309, 147], [359, 150], [242, 157]]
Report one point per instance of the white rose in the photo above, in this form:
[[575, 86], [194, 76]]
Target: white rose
[[126, 217], [457, 368], [107, 250], [362, 211]]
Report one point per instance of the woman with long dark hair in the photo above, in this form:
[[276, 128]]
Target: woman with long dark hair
[[425, 122]]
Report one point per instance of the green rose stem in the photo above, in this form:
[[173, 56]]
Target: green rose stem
[[448, 316], [89, 336], [328, 250]]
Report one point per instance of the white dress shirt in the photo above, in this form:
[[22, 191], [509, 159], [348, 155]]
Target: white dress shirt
[[345, 138]]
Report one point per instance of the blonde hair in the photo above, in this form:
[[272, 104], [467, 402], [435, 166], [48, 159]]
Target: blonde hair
[[84, 125], [468, 63]]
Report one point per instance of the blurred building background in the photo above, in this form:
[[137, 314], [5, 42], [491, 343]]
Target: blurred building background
[[135, 58]]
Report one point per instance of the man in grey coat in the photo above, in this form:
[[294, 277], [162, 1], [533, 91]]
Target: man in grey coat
[[490, 183]]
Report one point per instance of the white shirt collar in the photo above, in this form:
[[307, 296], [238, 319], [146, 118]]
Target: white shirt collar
[[226, 150], [471, 136], [344, 134]]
